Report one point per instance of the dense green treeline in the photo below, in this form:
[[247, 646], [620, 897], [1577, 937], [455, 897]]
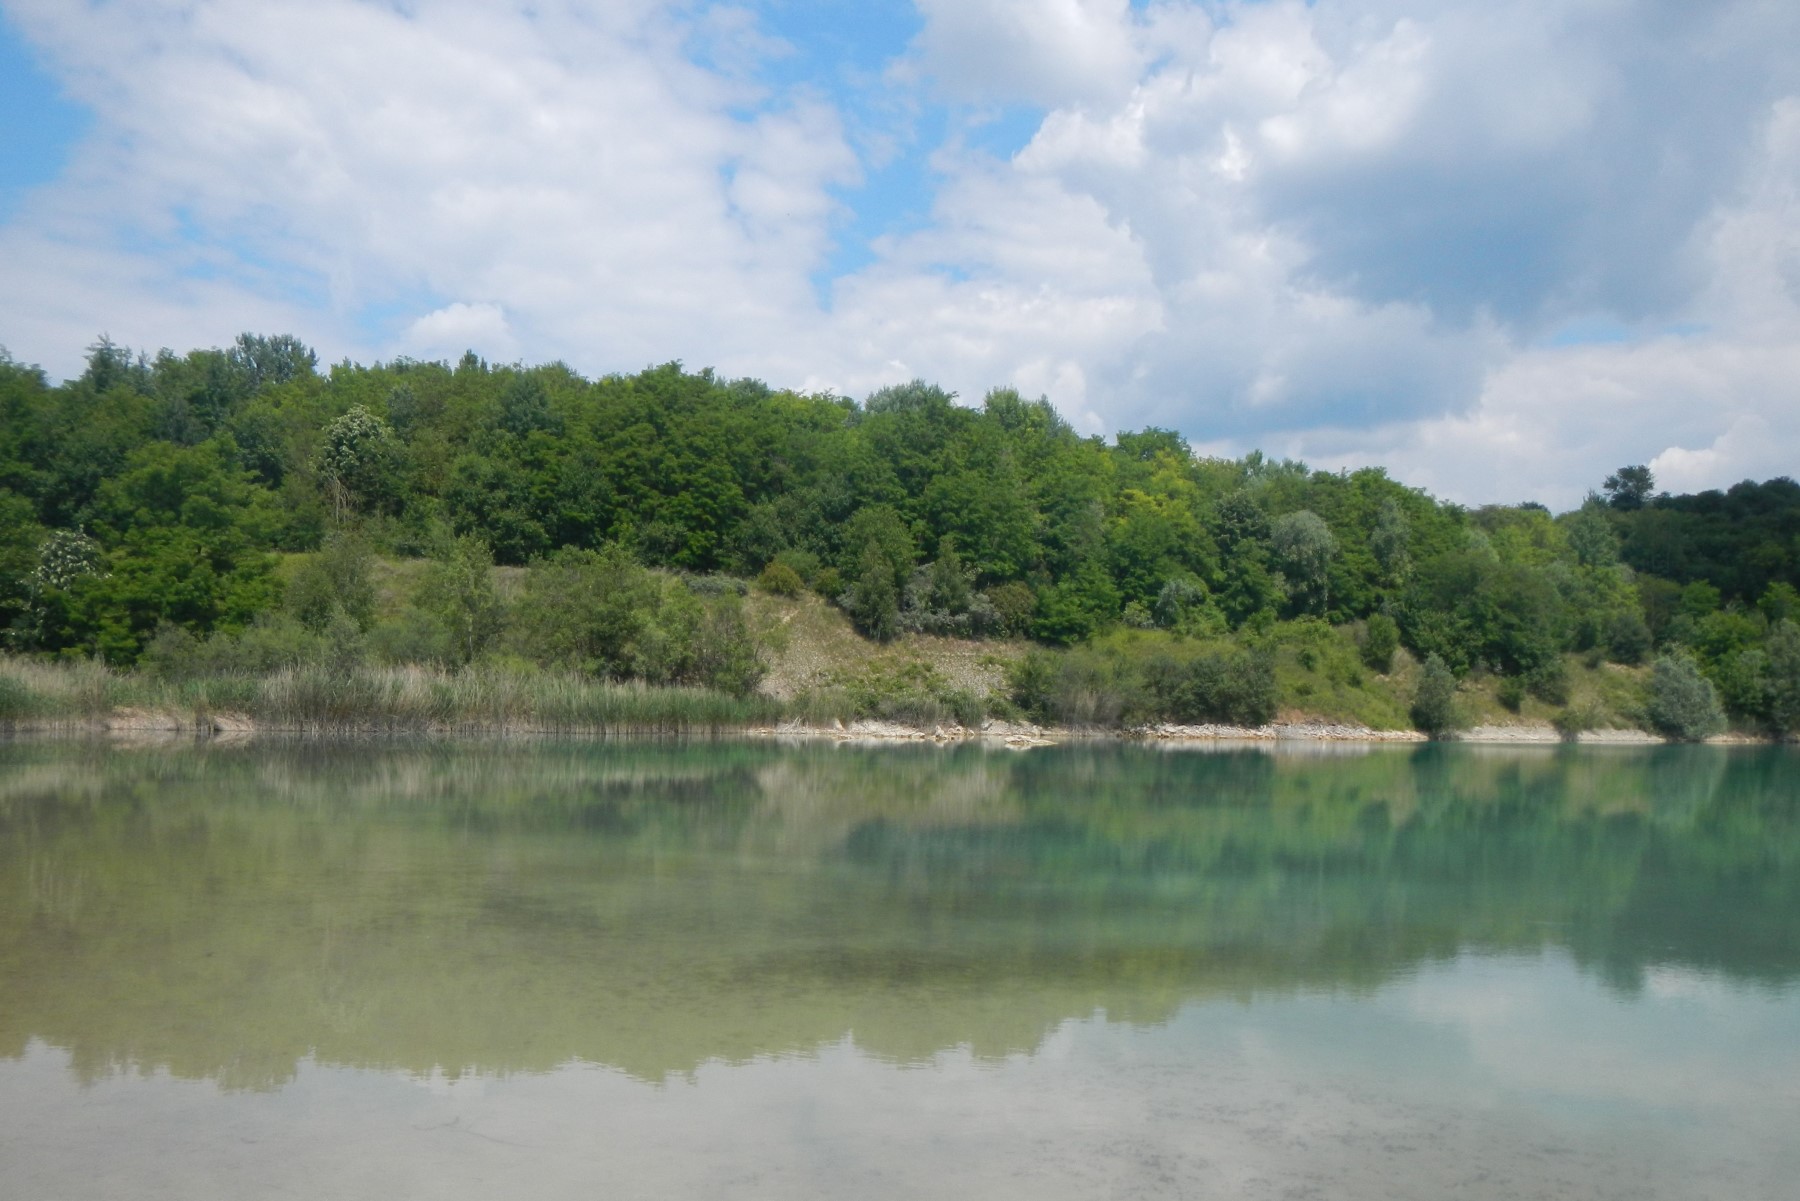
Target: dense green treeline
[[152, 512]]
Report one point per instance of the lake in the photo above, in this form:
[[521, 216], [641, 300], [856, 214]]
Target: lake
[[665, 970]]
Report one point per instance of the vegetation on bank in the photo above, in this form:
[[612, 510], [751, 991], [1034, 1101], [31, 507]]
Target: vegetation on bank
[[234, 529]]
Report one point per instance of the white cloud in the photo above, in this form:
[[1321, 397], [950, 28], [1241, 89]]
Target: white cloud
[[1039, 51], [447, 332], [571, 165]]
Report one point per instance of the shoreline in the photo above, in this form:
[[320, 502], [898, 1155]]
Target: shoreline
[[128, 724]]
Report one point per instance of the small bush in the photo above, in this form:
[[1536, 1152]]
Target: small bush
[[1236, 687], [802, 563], [1628, 638], [1179, 598], [16, 701], [910, 692], [413, 636], [1381, 638], [1684, 705], [1575, 721], [714, 585], [1013, 604], [1078, 688], [778, 579], [1511, 693], [1549, 682], [1434, 708]]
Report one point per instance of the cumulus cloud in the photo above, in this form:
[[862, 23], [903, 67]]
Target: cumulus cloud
[[568, 161], [1043, 51], [1366, 224], [1353, 230], [447, 332]]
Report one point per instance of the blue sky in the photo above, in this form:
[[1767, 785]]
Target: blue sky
[[1499, 249], [41, 125]]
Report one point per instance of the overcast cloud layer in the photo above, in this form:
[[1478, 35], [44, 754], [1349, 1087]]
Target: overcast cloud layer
[[1500, 249]]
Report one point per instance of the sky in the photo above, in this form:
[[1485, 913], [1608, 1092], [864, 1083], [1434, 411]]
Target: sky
[[1498, 249]]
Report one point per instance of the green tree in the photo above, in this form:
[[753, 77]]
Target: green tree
[[1381, 638], [874, 600], [1628, 488], [1304, 549], [1782, 678], [1683, 705], [359, 462], [1390, 542], [337, 581], [1591, 534], [1434, 708], [458, 589], [266, 361]]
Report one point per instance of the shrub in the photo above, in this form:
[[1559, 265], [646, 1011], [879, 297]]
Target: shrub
[[802, 563], [1783, 677], [1080, 688], [1549, 682], [778, 579], [1237, 687], [337, 579], [1628, 639], [714, 584], [1511, 693], [1381, 638], [911, 692], [1684, 705], [1434, 708], [16, 700], [873, 602], [1178, 598], [1013, 603], [413, 636], [1575, 721]]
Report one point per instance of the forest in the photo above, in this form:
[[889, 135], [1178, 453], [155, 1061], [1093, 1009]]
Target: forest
[[240, 511]]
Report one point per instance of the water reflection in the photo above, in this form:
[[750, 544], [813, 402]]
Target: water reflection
[[235, 912]]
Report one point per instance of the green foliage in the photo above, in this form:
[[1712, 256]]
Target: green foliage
[[335, 581], [1434, 708], [1146, 678], [1779, 602], [1591, 535], [778, 579], [1629, 488], [458, 591], [1683, 704], [1574, 721], [358, 461], [1230, 686], [1549, 682], [1303, 549], [1381, 638], [187, 471], [1782, 678], [1628, 638], [873, 600], [907, 691], [605, 614], [1014, 603]]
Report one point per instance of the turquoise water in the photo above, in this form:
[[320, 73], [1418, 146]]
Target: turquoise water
[[662, 970]]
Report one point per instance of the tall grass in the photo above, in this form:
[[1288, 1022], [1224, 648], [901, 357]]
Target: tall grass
[[373, 699]]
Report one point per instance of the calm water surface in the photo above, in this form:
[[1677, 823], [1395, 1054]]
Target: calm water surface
[[653, 970]]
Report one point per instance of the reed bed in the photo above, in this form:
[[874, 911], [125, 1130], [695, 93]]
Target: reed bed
[[367, 699]]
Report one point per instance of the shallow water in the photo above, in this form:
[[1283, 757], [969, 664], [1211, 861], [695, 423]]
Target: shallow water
[[559, 970]]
